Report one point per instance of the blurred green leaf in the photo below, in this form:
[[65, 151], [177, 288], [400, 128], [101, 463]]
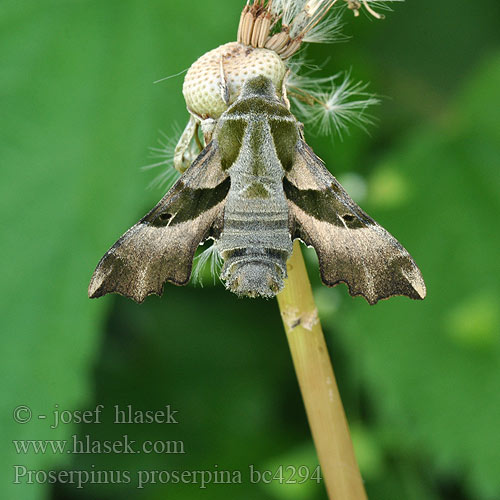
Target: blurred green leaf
[[79, 111], [429, 384], [232, 382], [296, 474], [368, 451]]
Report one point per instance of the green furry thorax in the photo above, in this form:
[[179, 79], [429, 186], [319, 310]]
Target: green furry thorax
[[257, 110]]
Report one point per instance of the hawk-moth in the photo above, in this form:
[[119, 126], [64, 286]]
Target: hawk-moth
[[255, 188]]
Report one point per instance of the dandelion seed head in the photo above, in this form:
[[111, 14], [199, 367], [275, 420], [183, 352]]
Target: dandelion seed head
[[270, 35], [237, 63]]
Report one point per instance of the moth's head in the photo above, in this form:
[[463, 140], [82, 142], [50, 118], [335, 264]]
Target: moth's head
[[259, 86]]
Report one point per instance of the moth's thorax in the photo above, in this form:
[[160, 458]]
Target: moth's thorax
[[256, 118]]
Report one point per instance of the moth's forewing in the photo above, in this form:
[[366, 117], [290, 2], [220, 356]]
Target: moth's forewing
[[161, 246], [351, 247]]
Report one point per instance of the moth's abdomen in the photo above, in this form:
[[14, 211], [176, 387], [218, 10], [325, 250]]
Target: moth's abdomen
[[255, 248]]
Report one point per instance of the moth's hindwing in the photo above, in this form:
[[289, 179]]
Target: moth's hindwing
[[351, 247], [161, 246]]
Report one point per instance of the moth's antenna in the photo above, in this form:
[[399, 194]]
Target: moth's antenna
[[172, 76]]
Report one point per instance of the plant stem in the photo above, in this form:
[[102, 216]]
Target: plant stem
[[317, 384]]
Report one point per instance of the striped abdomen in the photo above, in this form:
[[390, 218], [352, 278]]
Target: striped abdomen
[[255, 246]]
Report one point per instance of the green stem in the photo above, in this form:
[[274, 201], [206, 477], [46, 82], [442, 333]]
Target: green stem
[[317, 384]]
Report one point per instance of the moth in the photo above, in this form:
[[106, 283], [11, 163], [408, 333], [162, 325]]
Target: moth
[[255, 188]]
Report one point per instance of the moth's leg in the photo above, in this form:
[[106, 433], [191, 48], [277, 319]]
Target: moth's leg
[[207, 128], [284, 95], [301, 129], [197, 141], [223, 85], [182, 156]]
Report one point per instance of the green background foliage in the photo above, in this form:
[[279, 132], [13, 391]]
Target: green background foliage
[[420, 381]]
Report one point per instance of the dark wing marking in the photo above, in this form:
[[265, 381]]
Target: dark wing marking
[[351, 247], [161, 246]]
